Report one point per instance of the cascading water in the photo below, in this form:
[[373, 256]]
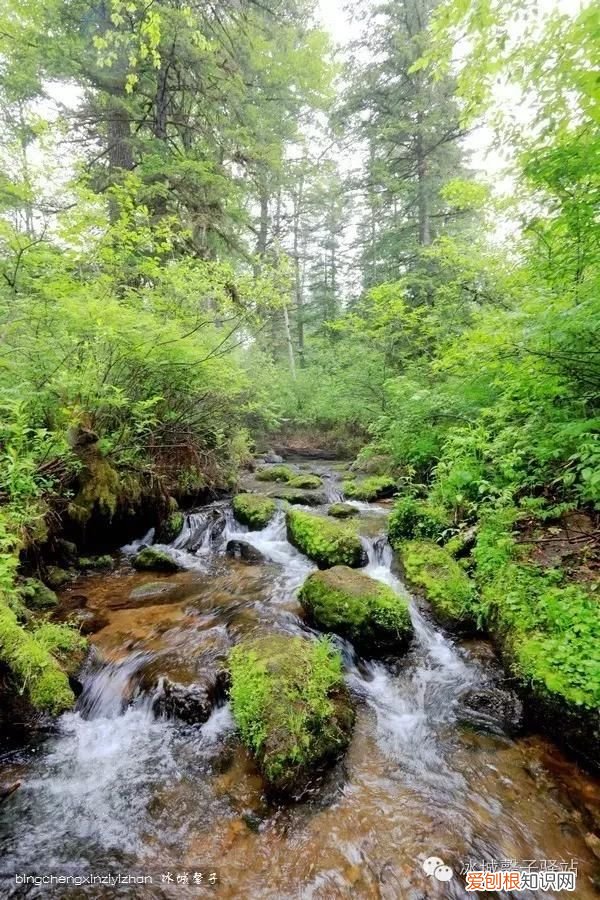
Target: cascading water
[[119, 785]]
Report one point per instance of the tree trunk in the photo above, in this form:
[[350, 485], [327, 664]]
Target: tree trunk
[[423, 200]]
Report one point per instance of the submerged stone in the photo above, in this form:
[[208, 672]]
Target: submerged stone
[[327, 543], [152, 589], [154, 560], [369, 613], [291, 705], [253, 510]]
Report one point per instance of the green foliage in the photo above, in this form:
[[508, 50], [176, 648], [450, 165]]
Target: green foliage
[[550, 630], [371, 614], [253, 510], [375, 487], [36, 595], [290, 704], [412, 518], [327, 543], [445, 584]]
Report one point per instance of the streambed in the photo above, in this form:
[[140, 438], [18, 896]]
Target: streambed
[[431, 769]]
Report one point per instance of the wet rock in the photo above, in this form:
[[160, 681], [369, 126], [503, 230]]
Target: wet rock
[[96, 563], [191, 703], [342, 511], [37, 595], [272, 457], [66, 553], [299, 498], [245, 551], [7, 789], [57, 577], [292, 707], [89, 621], [369, 613], [152, 560], [493, 708], [250, 819]]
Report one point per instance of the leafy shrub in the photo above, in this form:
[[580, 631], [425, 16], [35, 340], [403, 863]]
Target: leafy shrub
[[411, 518]]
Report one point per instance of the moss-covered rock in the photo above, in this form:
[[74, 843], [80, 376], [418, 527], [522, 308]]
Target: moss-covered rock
[[369, 613], [376, 487], [342, 511], [327, 543], [33, 658], [99, 486], [411, 518], [291, 706], [306, 482], [151, 560], [444, 582], [171, 527], [299, 498], [96, 563], [275, 473], [56, 577], [37, 595], [253, 510]]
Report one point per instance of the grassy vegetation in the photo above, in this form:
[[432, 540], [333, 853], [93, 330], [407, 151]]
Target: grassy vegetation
[[290, 704], [412, 518], [254, 510], [369, 613], [327, 543]]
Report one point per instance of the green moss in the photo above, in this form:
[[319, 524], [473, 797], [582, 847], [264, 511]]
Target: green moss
[[446, 585], [171, 527], [253, 510], [275, 473], [291, 706], [36, 595], [298, 498], [96, 563], [342, 511], [327, 543], [29, 656], [99, 487], [57, 577], [411, 518], [368, 612], [376, 487], [549, 630], [306, 482], [151, 560]]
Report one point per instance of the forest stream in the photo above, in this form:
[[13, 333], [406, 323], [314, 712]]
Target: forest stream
[[119, 785]]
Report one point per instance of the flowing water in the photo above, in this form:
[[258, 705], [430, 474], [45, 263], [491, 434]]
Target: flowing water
[[119, 787]]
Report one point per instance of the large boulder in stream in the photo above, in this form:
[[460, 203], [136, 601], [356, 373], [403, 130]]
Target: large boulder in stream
[[275, 473], [299, 498], [291, 705], [342, 511], [306, 481], [445, 584], [151, 560], [327, 543], [253, 510], [369, 613]]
